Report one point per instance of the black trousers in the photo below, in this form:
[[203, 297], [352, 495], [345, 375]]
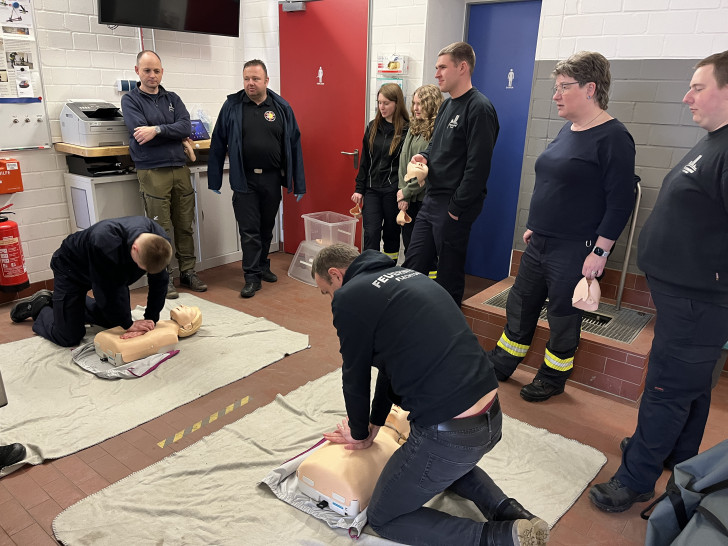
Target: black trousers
[[379, 213], [413, 210], [689, 335], [436, 236], [65, 322], [255, 212], [549, 267]]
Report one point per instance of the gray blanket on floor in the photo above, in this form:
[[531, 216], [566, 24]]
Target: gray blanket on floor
[[211, 492], [56, 408]]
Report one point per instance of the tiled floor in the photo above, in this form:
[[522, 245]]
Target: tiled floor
[[32, 497]]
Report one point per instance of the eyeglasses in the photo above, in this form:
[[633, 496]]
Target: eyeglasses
[[561, 88]]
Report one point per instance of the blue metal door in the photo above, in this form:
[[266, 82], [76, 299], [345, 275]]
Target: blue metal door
[[503, 36]]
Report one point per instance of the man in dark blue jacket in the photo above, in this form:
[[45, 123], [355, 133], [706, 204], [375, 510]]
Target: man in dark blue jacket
[[158, 123], [256, 128], [106, 258]]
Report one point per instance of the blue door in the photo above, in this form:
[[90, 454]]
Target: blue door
[[503, 36]]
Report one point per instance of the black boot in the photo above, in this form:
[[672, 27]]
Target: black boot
[[510, 509], [11, 454]]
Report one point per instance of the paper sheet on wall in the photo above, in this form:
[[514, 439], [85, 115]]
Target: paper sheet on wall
[[22, 107]]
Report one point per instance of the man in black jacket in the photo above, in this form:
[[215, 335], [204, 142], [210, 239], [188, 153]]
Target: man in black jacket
[[458, 159], [431, 364], [106, 258], [683, 250], [158, 123], [258, 132]]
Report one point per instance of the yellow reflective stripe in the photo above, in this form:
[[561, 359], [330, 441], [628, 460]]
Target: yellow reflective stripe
[[560, 364], [511, 347], [433, 274], [393, 255]]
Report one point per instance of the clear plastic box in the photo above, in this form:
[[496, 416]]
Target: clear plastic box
[[326, 228], [300, 268]]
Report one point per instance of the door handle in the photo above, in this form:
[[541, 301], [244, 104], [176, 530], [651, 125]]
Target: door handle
[[355, 153]]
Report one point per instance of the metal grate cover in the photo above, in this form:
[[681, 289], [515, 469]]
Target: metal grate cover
[[623, 325]]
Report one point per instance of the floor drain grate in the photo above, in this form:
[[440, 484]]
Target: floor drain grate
[[620, 325]]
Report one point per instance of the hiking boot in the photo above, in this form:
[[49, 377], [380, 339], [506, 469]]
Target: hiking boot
[[250, 289], [614, 496], [510, 509], [192, 281], [539, 391], [11, 454], [172, 293], [30, 307], [269, 276], [519, 532]]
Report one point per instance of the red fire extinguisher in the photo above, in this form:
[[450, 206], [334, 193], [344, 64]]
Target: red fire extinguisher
[[13, 276]]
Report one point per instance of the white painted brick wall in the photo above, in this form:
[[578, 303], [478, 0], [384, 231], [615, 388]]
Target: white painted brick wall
[[633, 29], [82, 59]]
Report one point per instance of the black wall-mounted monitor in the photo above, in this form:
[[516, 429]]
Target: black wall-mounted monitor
[[203, 16]]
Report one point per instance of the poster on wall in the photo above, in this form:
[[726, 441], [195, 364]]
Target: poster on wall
[[22, 107]]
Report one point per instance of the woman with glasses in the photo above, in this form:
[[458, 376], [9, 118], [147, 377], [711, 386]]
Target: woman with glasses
[[582, 199]]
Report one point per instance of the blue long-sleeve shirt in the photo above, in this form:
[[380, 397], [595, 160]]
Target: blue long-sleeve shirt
[[165, 110], [584, 183]]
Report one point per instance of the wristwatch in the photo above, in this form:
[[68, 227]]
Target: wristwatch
[[158, 129], [600, 252]]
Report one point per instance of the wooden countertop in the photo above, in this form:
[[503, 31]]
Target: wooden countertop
[[104, 151]]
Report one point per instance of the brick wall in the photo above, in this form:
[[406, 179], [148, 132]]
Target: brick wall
[[81, 59]]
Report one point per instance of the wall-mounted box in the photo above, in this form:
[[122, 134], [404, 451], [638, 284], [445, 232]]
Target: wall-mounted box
[[10, 179]]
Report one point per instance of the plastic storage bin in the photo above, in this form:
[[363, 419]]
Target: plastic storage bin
[[326, 228], [300, 268]]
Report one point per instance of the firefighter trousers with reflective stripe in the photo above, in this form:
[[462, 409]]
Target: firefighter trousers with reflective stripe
[[550, 268]]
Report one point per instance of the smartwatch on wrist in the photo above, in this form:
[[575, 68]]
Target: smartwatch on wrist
[[600, 252]]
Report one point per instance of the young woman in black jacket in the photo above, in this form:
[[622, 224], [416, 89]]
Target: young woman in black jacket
[[377, 180]]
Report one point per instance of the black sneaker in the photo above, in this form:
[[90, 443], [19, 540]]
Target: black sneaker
[[539, 391], [614, 496], [269, 276], [11, 454], [250, 289], [30, 307], [190, 280]]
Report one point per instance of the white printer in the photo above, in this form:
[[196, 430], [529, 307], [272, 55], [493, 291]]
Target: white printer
[[93, 123]]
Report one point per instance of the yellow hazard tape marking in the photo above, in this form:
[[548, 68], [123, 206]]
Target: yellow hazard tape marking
[[199, 424]]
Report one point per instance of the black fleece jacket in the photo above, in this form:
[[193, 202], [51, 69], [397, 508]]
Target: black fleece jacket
[[683, 246], [379, 169], [98, 258], [399, 321]]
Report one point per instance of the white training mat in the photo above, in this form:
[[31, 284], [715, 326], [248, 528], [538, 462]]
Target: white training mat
[[210, 492], [56, 408]]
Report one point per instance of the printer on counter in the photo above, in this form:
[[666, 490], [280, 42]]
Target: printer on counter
[[93, 123]]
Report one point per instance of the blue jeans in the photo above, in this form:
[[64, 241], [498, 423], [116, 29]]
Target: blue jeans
[[428, 463]]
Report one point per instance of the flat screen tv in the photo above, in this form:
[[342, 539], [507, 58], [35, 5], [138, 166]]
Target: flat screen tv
[[203, 16]]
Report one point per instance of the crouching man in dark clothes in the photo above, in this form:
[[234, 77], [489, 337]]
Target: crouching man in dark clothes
[[435, 369], [106, 258]]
